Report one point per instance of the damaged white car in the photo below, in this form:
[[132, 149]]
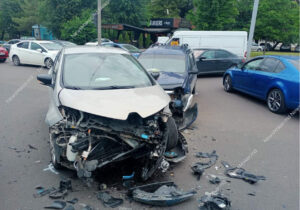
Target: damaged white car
[[105, 107]]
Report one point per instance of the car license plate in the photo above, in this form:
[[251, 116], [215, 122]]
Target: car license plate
[[2, 53]]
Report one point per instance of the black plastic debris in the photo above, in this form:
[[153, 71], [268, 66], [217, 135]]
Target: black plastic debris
[[58, 194], [199, 167], [86, 207], [214, 201], [160, 194], [240, 173], [41, 191], [65, 184], [70, 207], [73, 201], [108, 200], [56, 205], [252, 193], [214, 179], [32, 147]]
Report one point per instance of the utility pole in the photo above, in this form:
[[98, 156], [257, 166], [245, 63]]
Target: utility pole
[[99, 22], [252, 27]]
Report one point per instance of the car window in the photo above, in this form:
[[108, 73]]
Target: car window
[[269, 65], [163, 62], [253, 65], [197, 53], [103, 71], [35, 46], [223, 54], [209, 54], [51, 46], [279, 67], [296, 64], [130, 48], [23, 45]]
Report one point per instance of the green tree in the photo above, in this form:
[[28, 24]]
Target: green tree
[[80, 29], [243, 19], [126, 38], [214, 14], [140, 41], [169, 8], [278, 21], [8, 10], [28, 16]]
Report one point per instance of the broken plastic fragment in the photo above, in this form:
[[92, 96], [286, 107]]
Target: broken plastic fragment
[[108, 200], [58, 194], [73, 201], [160, 194], [198, 168], [70, 207], [214, 201], [42, 191], [65, 184], [128, 177], [240, 173], [214, 179], [56, 205]]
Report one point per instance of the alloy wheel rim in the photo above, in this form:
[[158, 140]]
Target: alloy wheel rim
[[16, 61], [48, 64], [227, 83], [274, 100]]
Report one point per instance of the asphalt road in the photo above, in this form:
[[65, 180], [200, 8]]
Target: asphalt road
[[240, 129]]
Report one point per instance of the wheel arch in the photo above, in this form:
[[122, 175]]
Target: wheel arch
[[280, 86]]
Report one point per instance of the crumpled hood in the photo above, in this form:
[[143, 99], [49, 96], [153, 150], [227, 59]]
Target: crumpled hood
[[170, 78], [116, 104]]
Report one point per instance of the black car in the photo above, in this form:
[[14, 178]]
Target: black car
[[214, 61], [9, 43], [176, 72], [285, 48], [64, 43], [266, 46]]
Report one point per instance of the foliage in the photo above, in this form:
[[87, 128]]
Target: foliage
[[140, 41], [214, 14], [243, 19], [80, 29], [28, 16], [169, 8], [8, 9], [278, 21]]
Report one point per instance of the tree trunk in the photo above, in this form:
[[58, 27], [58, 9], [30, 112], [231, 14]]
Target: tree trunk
[[274, 46], [2, 35]]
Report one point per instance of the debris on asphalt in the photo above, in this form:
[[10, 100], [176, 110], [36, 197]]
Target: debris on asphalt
[[252, 193], [214, 179], [160, 194], [32, 147], [86, 207], [128, 181], [70, 207], [58, 194], [198, 168], [213, 139], [108, 200], [41, 191], [13, 148], [240, 173], [214, 201], [102, 187], [57, 205], [73, 201], [65, 184]]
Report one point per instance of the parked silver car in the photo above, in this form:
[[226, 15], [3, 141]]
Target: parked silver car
[[105, 107]]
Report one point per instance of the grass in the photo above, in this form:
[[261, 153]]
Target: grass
[[253, 54]]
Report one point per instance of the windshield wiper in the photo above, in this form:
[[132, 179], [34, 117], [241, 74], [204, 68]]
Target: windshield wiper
[[113, 87], [73, 88]]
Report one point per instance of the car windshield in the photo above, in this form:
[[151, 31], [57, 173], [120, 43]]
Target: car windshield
[[296, 63], [130, 48], [103, 71], [51, 46], [197, 53], [166, 63], [68, 44]]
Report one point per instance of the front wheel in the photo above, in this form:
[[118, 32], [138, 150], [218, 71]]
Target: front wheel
[[227, 83], [276, 101], [16, 60], [48, 63]]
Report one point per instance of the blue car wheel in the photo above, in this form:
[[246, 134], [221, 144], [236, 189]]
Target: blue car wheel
[[276, 101], [227, 84]]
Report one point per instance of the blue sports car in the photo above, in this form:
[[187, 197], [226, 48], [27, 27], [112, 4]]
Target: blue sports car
[[274, 79]]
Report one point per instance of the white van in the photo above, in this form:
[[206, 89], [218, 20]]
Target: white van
[[232, 41]]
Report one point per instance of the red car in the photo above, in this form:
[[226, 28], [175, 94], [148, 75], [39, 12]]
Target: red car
[[3, 54]]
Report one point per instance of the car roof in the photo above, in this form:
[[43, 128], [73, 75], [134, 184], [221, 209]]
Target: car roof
[[93, 49], [289, 57], [209, 49], [166, 50]]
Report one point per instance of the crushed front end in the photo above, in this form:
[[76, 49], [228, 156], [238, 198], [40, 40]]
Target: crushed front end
[[85, 142]]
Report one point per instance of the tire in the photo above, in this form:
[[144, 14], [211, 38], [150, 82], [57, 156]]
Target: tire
[[258, 50], [275, 101], [48, 63], [16, 60], [227, 83], [173, 133], [2, 60], [54, 162]]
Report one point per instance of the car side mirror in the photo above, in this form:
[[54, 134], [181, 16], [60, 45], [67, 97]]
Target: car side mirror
[[45, 79], [155, 75], [39, 50]]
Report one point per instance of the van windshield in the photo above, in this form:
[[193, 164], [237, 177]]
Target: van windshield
[[166, 63]]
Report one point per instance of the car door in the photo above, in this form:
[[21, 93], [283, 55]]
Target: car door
[[36, 54], [224, 60], [206, 62], [263, 76], [242, 77], [192, 67], [22, 52]]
